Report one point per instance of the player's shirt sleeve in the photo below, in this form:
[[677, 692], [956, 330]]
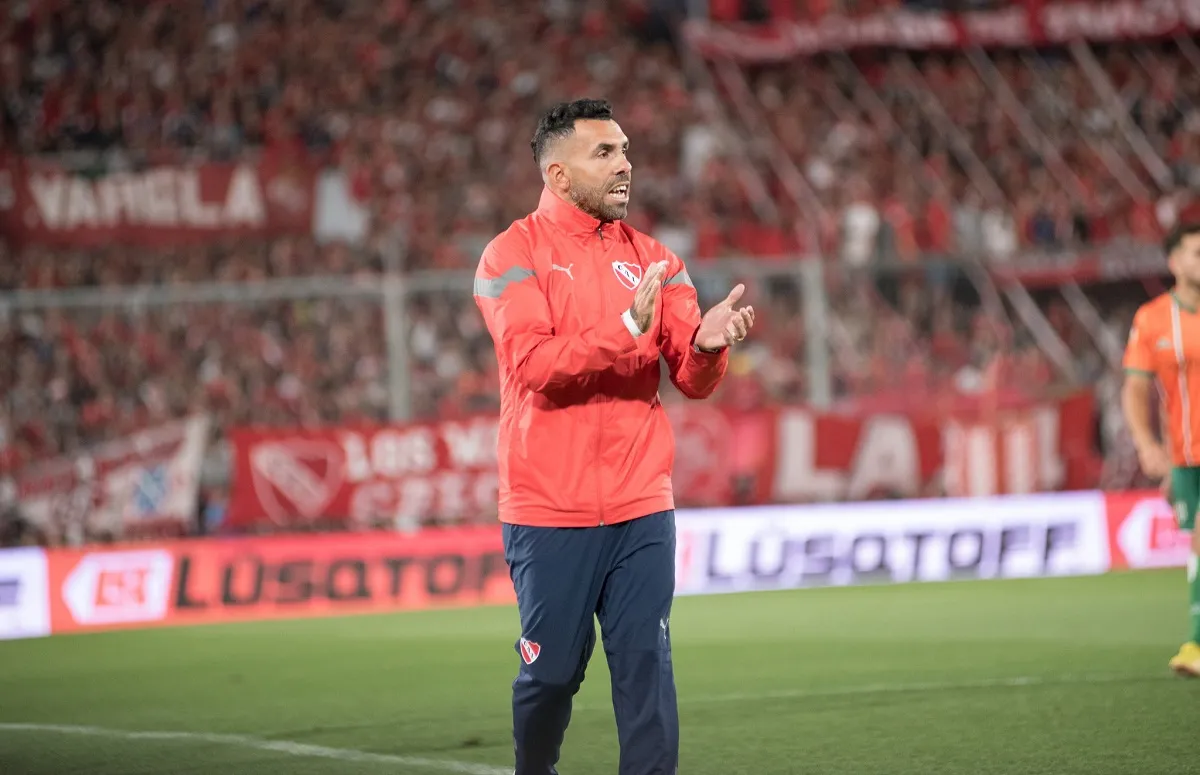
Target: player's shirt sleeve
[[696, 374], [1139, 352]]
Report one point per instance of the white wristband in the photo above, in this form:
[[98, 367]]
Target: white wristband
[[631, 324]]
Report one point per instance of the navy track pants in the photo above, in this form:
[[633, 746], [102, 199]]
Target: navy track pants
[[624, 575]]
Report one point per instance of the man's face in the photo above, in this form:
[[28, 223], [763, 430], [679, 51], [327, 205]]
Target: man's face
[[1185, 261], [597, 169]]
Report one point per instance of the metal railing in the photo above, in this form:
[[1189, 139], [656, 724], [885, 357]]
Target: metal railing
[[400, 301]]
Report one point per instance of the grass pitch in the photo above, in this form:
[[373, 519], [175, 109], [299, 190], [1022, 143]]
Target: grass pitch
[[1058, 676]]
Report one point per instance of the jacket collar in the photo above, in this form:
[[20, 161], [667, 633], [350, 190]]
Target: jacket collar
[[571, 219]]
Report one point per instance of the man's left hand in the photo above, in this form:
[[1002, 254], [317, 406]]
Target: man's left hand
[[723, 325]]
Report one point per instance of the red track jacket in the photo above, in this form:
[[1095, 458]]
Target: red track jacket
[[584, 440]]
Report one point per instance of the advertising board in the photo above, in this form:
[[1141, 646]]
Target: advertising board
[[24, 594], [786, 547], [717, 551], [1144, 532], [209, 581]]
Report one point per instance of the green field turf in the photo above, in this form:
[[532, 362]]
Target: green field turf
[[1048, 676]]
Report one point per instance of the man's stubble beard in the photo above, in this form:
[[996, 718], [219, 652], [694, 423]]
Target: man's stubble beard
[[591, 201]]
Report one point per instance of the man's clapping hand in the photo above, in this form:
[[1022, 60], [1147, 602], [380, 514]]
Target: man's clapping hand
[[723, 325], [647, 296]]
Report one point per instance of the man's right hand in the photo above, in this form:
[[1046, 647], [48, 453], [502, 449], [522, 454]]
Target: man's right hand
[[1155, 461], [646, 297]]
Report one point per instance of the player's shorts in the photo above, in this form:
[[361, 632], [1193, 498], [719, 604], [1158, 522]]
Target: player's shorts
[[1185, 495]]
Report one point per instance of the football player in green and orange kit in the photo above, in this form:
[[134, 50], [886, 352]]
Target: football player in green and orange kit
[[1164, 345]]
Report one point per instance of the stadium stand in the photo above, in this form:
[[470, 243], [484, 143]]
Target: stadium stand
[[937, 187]]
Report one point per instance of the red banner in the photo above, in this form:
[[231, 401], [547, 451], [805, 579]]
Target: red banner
[[965, 452], [1143, 532], [399, 476], [391, 475], [208, 581], [1036, 24], [43, 203], [722, 457]]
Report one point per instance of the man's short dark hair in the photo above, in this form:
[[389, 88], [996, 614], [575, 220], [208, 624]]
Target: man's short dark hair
[[559, 122], [1176, 236]]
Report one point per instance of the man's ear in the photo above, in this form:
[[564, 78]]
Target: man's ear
[[556, 176]]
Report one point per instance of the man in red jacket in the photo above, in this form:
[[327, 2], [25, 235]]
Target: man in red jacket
[[580, 307]]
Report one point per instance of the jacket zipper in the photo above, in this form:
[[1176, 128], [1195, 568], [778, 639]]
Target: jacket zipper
[[600, 403]]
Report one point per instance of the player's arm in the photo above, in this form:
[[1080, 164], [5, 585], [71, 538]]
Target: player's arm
[[696, 374], [1135, 403], [1136, 395], [518, 317], [1164, 428]]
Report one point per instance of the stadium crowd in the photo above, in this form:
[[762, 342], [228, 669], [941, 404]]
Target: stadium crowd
[[418, 110], [1049, 169]]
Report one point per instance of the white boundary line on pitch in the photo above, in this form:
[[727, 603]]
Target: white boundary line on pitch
[[902, 688], [286, 747], [354, 756]]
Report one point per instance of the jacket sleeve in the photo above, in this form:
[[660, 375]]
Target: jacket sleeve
[[518, 317], [695, 373]]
